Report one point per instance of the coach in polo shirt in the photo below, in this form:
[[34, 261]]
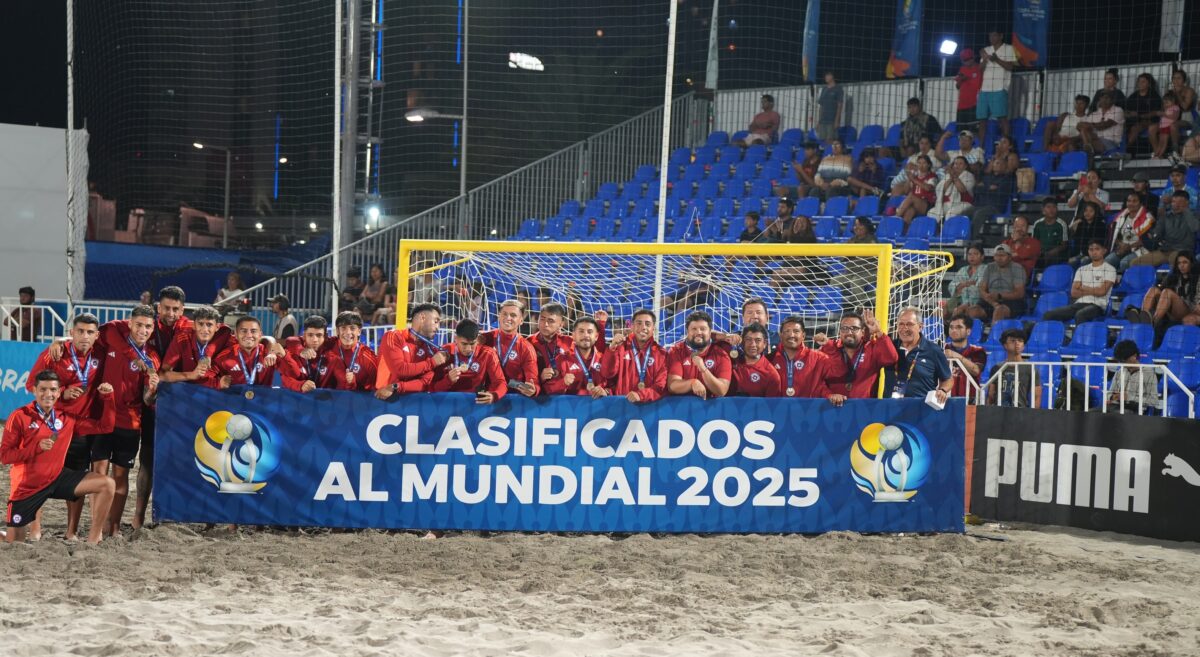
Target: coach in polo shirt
[[922, 365]]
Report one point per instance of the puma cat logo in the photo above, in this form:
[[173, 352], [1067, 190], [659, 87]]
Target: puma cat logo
[[1177, 467]]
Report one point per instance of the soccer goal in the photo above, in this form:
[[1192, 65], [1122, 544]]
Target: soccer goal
[[819, 282]]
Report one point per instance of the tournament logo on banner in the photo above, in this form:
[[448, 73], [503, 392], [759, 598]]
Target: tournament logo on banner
[[1031, 22], [15, 360], [812, 27], [905, 58], [442, 461]]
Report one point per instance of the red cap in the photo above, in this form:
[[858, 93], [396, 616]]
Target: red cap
[[967, 53]]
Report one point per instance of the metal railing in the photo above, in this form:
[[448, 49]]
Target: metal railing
[[974, 390], [29, 322], [1104, 385]]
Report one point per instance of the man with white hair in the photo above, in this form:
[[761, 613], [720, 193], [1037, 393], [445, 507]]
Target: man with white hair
[[922, 365]]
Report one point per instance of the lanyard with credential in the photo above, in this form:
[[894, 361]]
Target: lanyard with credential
[[642, 364], [353, 362], [430, 344], [587, 368], [790, 364], [901, 385], [84, 371], [507, 352], [247, 374], [852, 370]]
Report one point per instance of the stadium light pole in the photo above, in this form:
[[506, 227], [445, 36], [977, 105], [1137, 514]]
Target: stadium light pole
[[228, 168], [948, 48]]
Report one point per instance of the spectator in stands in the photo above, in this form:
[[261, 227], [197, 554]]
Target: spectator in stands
[[1143, 108], [964, 284], [1087, 225], [917, 125], [1089, 191], [25, 324], [800, 231], [952, 196], [1062, 134], [146, 298], [863, 231], [966, 149], [1125, 239], [968, 81], [1166, 134], [833, 174], [1090, 289], [1178, 183], [1052, 233], [1189, 117], [806, 168], [1111, 80], [287, 325], [1103, 129], [750, 231], [830, 104], [1174, 299], [386, 313], [921, 366], [901, 183], [1134, 387], [921, 192], [995, 189], [970, 358], [1002, 290], [353, 288], [233, 286], [1019, 383], [998, 60], [1173, 232], [375, 289], [1141, 185], [1024, 247], [1191, 149], [868, 178], [764, 127]]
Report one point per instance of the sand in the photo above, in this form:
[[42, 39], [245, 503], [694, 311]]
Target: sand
[[178, 590]]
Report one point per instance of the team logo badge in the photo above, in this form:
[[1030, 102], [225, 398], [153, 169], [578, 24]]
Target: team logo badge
[[420, 352], [709, 363], [755, 377], [474, 367], [890, 462], [799, 364], [236, 453], [133, 365], [355, 368]]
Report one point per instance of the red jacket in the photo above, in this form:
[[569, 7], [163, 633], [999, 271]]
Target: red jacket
[[483, 373], [183, 355], [808, 372], [973, 353], [294, 369], [364, 364], [120, 368], [68, 376], [619, 369], [716, 359], [405, 360], [757, 380], [164, 335], [33, 469], [228, 364], [568, 363], [519, 360], [876, 353]]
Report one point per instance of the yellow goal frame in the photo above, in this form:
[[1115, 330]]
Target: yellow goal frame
[[883, 253]]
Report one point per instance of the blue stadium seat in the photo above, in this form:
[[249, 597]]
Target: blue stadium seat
[[580, 228], [751, 203], [771, 209], [892, 139], [1019, 130], [1041, 162], [889, 229], [1088, 338], [871, 136], [792, 137], [1070, 164], [708, 190], [888, 165], [994, 358], [1035, 145], [733, 230], [809, 206], [530, 229], [957, 229], [649, 232], [717, 138], [608, 191], [838, 206], [1056, 278], [848, 134], [628, 231], [795, 300], [1050, 376], [709, 230], [781, 154], [892, 203], [867, 206], [680, 157], [594, 208], [705, 155], [1187, 370], [645, 173], [827, 229], [1045, 303], [722, 208], [729, 155], [631, 193], [739, 136], [1180, 341], [734, 188], [923, 228], [1141, 334], [915, 243], [998, 328], [569, 208], [755, 153], [553, 229], [642, 208], [1046, 336], [761, 187], [1136, 280], [605, 230], [746, 170]]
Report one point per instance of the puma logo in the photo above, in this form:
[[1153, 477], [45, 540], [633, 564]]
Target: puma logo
[[1177, 467]]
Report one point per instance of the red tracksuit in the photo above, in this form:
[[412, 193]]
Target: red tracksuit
[[164, 335], [483, 373], [518, 359], [120, 369], [568, 364], [679, 362], [69, 377], [621, 371], [755, 380], [809, 371], [405, 360], [183, 355], [228, 364], [858, 377], [294, 370], [359, 359], [33, 469]]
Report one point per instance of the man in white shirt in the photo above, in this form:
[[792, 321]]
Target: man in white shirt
[[952, 196], [998, 60], [1062, 134], [1091, 288], [1103, 128], [966, 149]]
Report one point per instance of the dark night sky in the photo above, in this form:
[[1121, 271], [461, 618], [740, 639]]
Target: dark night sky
[[590, 82]]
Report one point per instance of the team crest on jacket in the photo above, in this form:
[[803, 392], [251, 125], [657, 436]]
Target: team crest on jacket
[[755, 377], [420, 352], [709, 363], [474, 367]]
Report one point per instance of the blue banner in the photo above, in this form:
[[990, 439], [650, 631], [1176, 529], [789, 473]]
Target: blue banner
[[15, 360], [1031, 23], [812, 27], [441, 461], [905, 58]]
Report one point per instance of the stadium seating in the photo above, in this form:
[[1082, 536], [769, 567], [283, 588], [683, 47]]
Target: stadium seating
[[956, 230], [530, 229], [1070, 164], [1141, 334], [1046, 337], [1187, 370], [998, 328], [1087, 338], [1179, 341], [866, 206], [1055, 278]]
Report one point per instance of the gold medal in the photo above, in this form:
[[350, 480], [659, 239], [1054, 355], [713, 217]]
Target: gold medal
[[591, 386], [733, 353], [53, 436], [849, 386], [249, 394], [205, 362], [790, 392], [641, 386]]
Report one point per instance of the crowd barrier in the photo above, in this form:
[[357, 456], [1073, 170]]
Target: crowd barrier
[[1123, 473], [336, 459]]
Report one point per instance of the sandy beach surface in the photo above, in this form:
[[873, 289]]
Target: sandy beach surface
[[181, 590]]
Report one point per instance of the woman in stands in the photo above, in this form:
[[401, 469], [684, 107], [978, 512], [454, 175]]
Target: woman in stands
[[868, 178], [921, 198], [1088, 225], [1187, 98], [964, 284], [901, 184], [376, 290], [1143, 109], [1089, 191], [833, 175], [1111, 78], [1174, 298], [233, 285], [864, 231], [800, 231], [999, 177], [806, 169]]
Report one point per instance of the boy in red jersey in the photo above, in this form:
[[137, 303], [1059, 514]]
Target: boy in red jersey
[[580, 368], [471, 367], [76, 375], [517, 357], [36, 439], [636, 368], [856, 357], [248, 361], [695, 366], [305, 367], [802, 371], [352, 364], [408, 358], [189, 358], [753, 373], [549, 342]]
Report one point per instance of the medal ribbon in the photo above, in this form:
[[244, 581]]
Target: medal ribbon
[[353, 358], [246, 373], [49, 419], [141, 354], [643, 363], [84, 371], [507, 352], [587, 368], [458, 360], [852, 370]]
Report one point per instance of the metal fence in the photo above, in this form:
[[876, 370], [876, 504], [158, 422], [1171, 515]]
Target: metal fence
[[29, 322], [1091, 387]]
